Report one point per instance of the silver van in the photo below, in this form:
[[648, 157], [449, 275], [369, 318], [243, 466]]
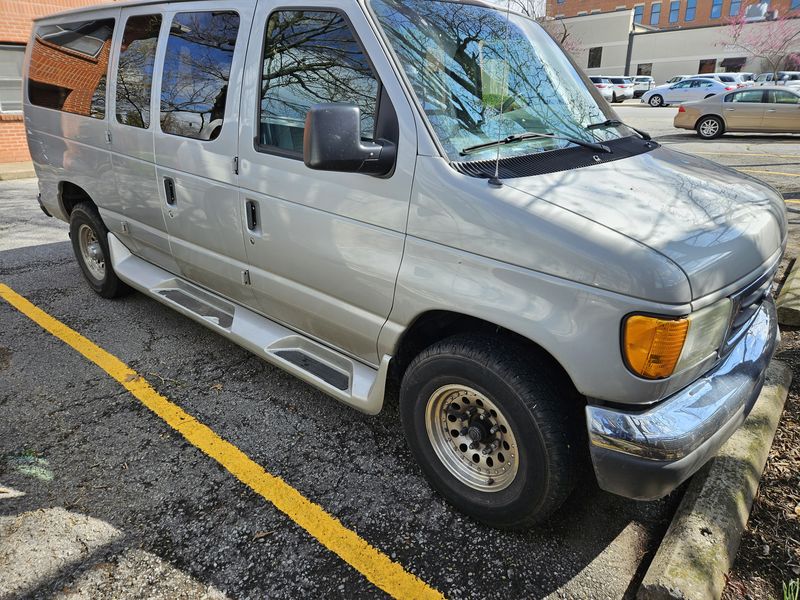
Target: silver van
[[422, 196]]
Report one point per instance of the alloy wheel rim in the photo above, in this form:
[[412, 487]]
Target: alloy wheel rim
[[655, 101], [709, 127], [92, 252], [472, 438]]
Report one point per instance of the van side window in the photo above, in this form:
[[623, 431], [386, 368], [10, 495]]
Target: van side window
[[311, 57], [69, 65], [135, 73], [197, 67]]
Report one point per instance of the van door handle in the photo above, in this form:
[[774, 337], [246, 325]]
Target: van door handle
[[252, 215], [169, 188]]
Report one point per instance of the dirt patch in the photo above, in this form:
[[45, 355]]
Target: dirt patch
[[769, 554], [5, 358]]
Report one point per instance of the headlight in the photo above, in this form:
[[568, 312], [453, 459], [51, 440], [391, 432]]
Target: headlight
[[657, 347]]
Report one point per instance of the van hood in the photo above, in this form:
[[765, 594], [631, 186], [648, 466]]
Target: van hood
[[716, 224]]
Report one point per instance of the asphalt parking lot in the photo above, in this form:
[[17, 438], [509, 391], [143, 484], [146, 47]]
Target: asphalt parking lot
[[105, 499]]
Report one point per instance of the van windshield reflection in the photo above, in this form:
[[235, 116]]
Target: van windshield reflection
[[481, 76]]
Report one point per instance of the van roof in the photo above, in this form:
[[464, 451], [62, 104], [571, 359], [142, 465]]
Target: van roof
[[128, 3]]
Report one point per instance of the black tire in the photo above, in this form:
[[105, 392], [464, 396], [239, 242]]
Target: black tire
[[613, 98], [709, 127], [656, 100], [541, 410], [109, 285]]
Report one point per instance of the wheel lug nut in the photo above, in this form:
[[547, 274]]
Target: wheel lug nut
[[494, 429], [464, 431], [474, 446]]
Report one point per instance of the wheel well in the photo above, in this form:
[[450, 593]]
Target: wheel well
[[437, 325], [70, 195], [717, 117]]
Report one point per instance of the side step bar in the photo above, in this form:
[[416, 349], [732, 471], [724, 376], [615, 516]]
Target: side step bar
[[347, 380]]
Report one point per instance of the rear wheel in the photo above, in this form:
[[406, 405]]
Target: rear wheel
[[90, 244], [656, 101], [492, 428], [710, 127]]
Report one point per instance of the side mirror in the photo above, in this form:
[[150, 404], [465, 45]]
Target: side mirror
[[332, 142]]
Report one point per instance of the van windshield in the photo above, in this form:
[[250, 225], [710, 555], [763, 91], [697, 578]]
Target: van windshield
[[481, 76]]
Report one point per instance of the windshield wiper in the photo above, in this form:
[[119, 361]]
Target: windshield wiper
[[519, 137], [616, 123]]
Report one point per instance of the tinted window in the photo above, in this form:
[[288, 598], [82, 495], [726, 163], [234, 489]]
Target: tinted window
[[135, 72], [638, 13], [68, 67], [655, 13], [674, 11], [311, 57], [691, 8], [783, 97], [595, 57], [736, 6], [746, 96], [716, 9], [197, 67]]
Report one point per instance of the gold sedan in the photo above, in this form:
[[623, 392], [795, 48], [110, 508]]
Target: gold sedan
[[762, 110]]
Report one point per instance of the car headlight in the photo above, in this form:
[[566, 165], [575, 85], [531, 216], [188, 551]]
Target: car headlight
[[657, 347]]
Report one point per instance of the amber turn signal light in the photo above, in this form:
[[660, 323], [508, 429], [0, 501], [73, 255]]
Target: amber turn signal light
[[653, 346]]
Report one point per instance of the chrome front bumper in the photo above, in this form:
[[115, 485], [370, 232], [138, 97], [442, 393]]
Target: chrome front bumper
[[645, 455]]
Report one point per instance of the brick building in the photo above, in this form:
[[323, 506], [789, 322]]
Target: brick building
[[669, 14], [15, 28]]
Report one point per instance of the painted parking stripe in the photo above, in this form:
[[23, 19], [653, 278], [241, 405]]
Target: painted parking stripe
[[373, 564], [763, 154], [769, 172]]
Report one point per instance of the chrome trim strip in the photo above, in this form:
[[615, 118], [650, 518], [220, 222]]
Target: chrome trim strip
[[677, 426]]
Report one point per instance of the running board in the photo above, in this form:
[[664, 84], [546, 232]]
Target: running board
[[332, 372]]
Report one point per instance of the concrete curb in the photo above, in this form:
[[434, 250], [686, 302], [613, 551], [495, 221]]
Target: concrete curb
[[23, 170], [789, 299], [700, 545]]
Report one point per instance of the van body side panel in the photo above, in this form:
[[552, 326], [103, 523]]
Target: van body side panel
[[327, 246], [68, 146]]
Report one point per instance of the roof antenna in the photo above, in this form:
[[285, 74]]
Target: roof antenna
[[495, 180]]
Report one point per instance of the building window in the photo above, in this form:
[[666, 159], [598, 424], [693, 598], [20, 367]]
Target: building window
[[69, 65], [638, 13], [736, 5], [135, 72], [645, 69], [795, 4], [716, 9], [655, 13], [595, 57], [691, 8], [708, 65], [11, 78], [674, 11], [197, 66], [311, 57]]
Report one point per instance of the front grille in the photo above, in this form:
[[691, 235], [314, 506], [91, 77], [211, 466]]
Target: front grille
[[745, 305]]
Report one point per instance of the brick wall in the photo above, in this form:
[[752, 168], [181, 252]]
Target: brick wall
[[16, 18], [572, 8]]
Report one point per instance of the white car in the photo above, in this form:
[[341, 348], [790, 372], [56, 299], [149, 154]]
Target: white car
[[604, 86], [623, 87], [642, 84], [677, 78], [791, 78], [687, 90], [739, 79]]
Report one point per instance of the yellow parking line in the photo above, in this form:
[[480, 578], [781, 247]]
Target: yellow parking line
[[378, 568], [792, 201], [769, 172], [745, 154]]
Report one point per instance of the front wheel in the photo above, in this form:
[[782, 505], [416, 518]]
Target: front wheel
[[656, 101], [493, 430], [709, 128], [90, 244]]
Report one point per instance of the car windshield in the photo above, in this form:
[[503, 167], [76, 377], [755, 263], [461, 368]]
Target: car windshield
[[481, 76]]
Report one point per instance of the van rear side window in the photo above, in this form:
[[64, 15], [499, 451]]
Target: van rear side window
[[69, 65], [135, 72], [197, 67]]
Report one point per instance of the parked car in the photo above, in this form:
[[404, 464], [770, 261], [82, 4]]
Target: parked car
[[739, 79], [759, 109], [605, 87], [623, 87], [783, 78], [685, 91], [642, 84], [305, 182]]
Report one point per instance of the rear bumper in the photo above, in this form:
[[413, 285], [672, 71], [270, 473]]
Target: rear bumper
[[645, 455]]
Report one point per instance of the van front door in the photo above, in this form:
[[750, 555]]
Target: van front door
[[324, 247], [196, 136]]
